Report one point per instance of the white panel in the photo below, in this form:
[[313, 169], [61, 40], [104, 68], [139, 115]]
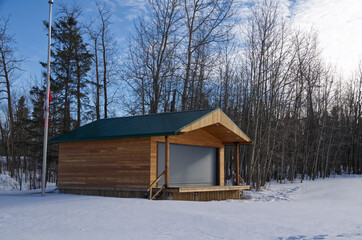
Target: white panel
[[189, 165]]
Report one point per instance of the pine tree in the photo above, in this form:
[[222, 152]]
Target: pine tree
[[70, 65], [35, 131], [21, 120]]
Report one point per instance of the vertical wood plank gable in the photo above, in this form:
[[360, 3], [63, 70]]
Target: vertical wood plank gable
[[217, 117]]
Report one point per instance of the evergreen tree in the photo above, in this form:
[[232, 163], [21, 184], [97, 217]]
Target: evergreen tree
[[35, 133], [21, 120], [70, 65]]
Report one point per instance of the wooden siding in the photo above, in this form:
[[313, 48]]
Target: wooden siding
[[195, 138], [105, 163], [106, 192], [201, 196]]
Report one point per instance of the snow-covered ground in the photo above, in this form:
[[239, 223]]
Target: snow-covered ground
[[321, 209]]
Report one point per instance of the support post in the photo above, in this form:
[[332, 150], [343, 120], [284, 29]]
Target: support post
[[167, 162], [221, 166], [237, 163]]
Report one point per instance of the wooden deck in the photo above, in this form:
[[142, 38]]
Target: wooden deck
[[203, 193], [185, 193], [186, 189]]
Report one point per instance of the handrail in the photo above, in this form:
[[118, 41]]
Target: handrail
[[155, 182], [241, 180], [159, 190]]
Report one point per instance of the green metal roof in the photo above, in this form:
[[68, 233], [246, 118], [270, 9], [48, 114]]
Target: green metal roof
[[160, 124]]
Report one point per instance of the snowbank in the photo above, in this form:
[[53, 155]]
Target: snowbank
[[322, 209], [7, 183], [10, 184]]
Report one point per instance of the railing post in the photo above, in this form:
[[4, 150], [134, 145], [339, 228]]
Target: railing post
[[237, 163], [167, 162]]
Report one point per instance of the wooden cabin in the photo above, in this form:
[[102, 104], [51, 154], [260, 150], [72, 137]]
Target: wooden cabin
[[178, 155]]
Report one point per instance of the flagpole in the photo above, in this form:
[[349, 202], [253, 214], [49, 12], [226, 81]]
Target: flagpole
[[45, 145]]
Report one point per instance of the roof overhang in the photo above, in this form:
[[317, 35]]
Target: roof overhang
[[220, 126]]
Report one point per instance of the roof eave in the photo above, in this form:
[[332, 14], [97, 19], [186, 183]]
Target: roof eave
[[211, 111], [54, 140]]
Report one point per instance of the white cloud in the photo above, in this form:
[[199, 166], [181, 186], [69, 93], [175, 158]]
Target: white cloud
[[339, 24], [135, 8]]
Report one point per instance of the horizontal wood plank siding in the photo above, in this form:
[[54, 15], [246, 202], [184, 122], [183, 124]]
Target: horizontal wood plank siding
[[105, 163], [106, 193]]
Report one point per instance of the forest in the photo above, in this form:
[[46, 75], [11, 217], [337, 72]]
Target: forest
[[266, 74]]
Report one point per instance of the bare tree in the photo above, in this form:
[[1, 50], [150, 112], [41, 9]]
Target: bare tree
[[106, 49], [9, 64], [206, 23], [94, 35], [266, 71], [151, 59]]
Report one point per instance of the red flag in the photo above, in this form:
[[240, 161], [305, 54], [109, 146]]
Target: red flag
[[45, 106]]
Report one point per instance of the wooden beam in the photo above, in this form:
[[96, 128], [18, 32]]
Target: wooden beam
[[167, 162], [237, 163], [221, 166]]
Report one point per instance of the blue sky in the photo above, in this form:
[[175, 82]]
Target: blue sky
[[338, 23], [26, 25]]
